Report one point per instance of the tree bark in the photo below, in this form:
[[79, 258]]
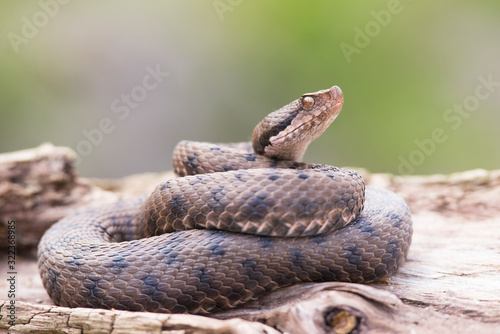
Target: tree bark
[[450, 282]]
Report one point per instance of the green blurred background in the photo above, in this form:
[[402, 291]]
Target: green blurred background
[[403, 67]]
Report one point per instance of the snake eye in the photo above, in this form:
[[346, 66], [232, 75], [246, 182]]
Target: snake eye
[[308, 101]]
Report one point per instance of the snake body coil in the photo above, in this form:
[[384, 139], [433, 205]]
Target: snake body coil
[[241, 221]]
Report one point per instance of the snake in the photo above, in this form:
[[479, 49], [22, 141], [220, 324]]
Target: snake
[[239, 221]]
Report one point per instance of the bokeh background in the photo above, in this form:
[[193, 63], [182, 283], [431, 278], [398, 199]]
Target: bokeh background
[[403, 66]]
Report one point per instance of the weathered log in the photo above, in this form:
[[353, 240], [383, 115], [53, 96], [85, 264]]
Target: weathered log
[[52, 319], [450, 282]]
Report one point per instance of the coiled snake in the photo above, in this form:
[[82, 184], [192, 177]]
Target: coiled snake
[[263, 221]]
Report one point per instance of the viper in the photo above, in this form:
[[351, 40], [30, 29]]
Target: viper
[[240, 221]]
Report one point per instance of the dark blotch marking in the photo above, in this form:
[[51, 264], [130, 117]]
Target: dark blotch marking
[[215, 148], [72, 265], [367, 228], [149, 287], [275, 163], [303, 176], [296, 257], [356, 253], [318, 240], [265, 243], [171, 256], [355, 259], [354, 250], [249, 264], [394, 216], [274, 177], [250, 269], [150, 280], [97, 292], [217, 233], [89, 284], [330, 274], [392, 248], [250, 157], [396, 219], [352, 173], [192, 164], [53, 276], [256, 200], [175, 206], [217, 250], [217, 190], [119, 262], [196, 273], [206, 276], [228, 168]]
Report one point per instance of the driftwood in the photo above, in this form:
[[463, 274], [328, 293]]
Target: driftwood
[[450, 282]]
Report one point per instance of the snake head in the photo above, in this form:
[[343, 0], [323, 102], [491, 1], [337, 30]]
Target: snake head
[[286, 133]]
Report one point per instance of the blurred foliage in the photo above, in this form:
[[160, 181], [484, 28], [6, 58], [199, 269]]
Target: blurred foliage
[[230, 62]]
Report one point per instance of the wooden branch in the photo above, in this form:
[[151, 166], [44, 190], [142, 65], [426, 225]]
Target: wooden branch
[[52, 319], [450, 282]]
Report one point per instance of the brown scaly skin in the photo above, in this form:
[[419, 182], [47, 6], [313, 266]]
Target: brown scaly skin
[[108, 258]]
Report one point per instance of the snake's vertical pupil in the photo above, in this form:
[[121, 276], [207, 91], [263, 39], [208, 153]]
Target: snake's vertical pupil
[[308, 101]]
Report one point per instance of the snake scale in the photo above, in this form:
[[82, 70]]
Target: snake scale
[[240, 221]]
